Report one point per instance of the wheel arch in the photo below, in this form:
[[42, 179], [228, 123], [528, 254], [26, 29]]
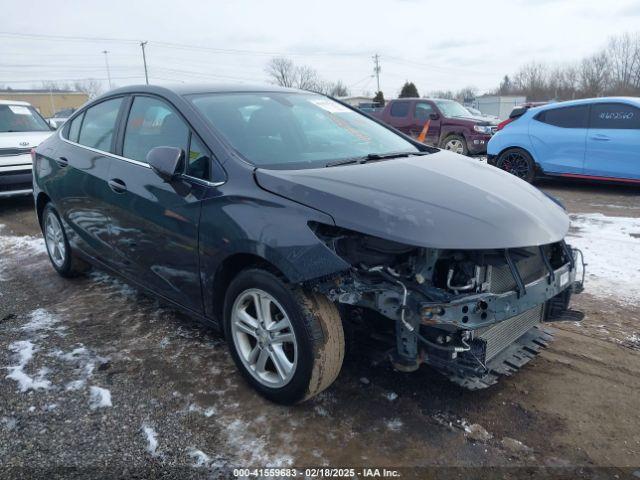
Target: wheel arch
[[232, 266], [41, 202]]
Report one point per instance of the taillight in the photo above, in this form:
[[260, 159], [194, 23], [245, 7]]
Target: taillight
[[504, 123], [33, 155]]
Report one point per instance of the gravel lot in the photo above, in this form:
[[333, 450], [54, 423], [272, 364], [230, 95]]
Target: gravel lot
[[98, 379]]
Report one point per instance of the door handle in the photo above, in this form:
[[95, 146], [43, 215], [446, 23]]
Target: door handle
[[117, 185], [601, 138], [62, 161]]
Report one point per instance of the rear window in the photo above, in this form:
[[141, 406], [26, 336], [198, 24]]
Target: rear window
[[21, 118], [99, 125], [400, 109], [566, 117], [615, 116]]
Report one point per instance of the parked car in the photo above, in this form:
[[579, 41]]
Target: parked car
[[596, 138], [370, 107], [60, 117], [280, 216], [21, 129], [452, 126]]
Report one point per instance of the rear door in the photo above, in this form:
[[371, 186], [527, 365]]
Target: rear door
[[613, 141], [558, 137], [154, 230], [400, 116], [77, 181]]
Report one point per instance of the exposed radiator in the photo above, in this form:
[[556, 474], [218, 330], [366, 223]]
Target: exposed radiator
[[531, 268], [500, 336]]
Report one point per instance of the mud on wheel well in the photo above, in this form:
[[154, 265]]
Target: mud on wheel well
[[42, 200], [227, 271]]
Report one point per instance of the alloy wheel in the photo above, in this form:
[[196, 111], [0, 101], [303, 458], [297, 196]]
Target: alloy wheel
[[264, 338], [455, 146], [54, 238], [516, 164]]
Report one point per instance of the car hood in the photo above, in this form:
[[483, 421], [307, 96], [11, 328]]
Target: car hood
[[474, 120], [441, 200], [22, 139]]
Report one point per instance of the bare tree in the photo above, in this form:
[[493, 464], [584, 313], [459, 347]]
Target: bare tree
[[594, 76], [282, 71], [90, 86], [623, 53], [285, 73]]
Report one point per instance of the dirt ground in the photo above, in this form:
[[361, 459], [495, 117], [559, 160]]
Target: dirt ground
[[98, 379]]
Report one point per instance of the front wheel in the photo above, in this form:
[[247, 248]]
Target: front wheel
[[517, 162], [288, 343], [456, 144]]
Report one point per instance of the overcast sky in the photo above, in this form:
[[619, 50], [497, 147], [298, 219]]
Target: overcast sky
[[436, 44]]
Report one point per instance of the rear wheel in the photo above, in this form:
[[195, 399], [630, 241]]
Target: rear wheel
[[456, 144], [55, 238], [288, 343], [517, 162]]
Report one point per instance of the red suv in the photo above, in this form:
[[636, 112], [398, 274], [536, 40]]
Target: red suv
[[451, 126]]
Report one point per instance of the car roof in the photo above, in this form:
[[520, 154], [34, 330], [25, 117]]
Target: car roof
[[14, 102], [191, 89], [583, 101]]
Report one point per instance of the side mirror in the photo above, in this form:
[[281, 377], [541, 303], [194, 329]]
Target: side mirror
[[166, 162], [52, 124], [434, 116]]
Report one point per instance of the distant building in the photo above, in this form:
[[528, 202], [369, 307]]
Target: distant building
[[47, 102], [498, 105]]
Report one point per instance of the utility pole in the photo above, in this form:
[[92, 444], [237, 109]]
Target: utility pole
[[106, 61], [377, 69], [144, 59]]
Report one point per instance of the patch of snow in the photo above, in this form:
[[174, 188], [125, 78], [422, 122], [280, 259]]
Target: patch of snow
[[75, 385], [395, 424], [251, 449], [209, 412], [10, 423], [22, 244], [201, 458], [100, 398], [391, 396], [41, 319], [611, 247], [24, 351], [152, 440]]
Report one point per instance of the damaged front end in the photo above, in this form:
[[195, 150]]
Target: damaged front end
[[471, 314]]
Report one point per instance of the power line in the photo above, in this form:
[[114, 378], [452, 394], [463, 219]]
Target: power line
[[106, 61]]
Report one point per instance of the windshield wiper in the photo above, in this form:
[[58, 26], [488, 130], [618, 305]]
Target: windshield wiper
[[372, 157]]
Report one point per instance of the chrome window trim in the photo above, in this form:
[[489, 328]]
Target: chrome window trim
[[134, 162]]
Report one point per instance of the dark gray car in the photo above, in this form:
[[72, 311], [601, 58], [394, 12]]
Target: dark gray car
[[286, 219]]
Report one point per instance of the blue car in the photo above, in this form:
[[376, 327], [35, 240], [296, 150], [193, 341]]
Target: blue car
[[594, 139]]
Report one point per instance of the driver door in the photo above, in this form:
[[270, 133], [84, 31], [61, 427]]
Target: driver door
[[154, 230]]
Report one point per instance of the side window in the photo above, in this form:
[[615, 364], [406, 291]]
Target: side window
[[423, 110], [400, 109], [198, 161], [153, 123], [615, 116], [566, 117], [99, 125], [74, 128]]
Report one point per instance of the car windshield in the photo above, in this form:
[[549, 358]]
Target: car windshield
[[296, 130], [449, 109], [21, 118]]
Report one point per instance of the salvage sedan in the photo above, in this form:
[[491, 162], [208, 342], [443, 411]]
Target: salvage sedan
[[287, 219]]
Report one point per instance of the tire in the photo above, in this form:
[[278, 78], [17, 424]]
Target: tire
[[456, 144], [314, 346], [517, 162], [61, 256]]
